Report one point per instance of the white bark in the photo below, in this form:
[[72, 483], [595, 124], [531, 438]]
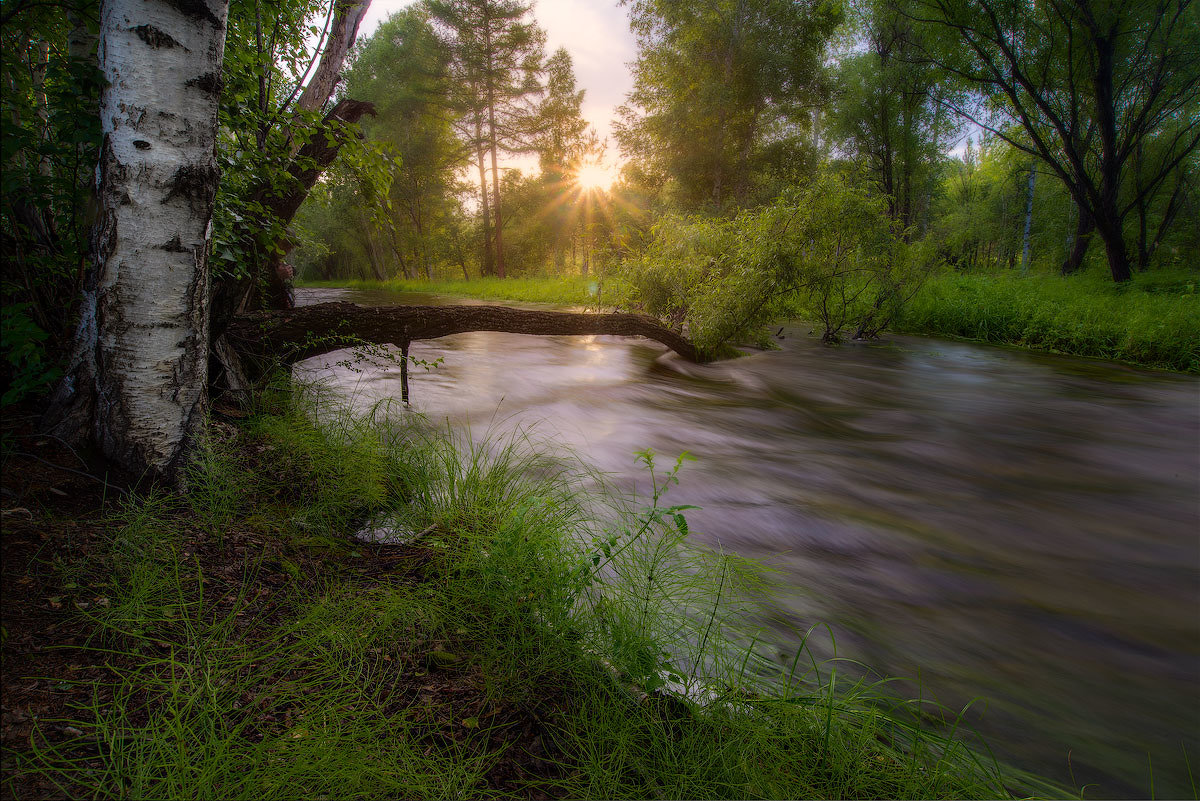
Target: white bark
[[347, 16], [144, 326]]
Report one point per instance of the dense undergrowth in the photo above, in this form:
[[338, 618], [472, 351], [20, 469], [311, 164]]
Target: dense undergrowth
[[538, 637]]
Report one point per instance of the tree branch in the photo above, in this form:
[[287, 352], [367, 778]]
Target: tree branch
[[266, 337]]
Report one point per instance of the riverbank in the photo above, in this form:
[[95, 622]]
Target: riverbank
[[239, 642], [1152, 321]]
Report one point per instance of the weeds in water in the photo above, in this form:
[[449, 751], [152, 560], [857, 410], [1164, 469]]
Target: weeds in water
[[551, 625]]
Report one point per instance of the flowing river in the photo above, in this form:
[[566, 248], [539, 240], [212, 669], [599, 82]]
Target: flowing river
[[1004, 525]]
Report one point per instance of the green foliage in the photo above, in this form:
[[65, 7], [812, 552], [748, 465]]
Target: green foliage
[[721, 93], [1153, 320], [1093, 91], [27, 370], [827, 251], [890, 110], [268, 55], [261, 74], [496, 50], [48, 155]]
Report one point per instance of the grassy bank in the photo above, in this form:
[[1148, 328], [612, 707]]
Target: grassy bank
[[533, 638], [565, 291], [1152, 321]]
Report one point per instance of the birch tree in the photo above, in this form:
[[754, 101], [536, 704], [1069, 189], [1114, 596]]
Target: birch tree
[[137, 382]]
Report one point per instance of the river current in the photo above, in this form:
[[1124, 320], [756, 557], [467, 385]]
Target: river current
[[1021, 528]]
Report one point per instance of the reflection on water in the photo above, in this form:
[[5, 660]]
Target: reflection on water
[[1002, 524]]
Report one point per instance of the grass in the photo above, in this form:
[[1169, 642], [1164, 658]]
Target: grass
[[1152, 321], [573, 291], [540, 638]]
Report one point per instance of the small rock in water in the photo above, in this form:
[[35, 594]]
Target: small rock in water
[[387, 530]]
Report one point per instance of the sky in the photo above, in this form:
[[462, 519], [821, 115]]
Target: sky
[[595, 33]]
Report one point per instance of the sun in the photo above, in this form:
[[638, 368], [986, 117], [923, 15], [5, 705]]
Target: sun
[[595, 177]]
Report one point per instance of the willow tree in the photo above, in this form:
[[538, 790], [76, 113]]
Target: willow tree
[[402, 69], [1086, 87], [138, 381]]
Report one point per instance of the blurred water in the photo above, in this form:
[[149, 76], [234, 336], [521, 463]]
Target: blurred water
[[1003, 524]]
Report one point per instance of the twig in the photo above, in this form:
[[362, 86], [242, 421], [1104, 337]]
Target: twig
[[66, 444], [61, 467]]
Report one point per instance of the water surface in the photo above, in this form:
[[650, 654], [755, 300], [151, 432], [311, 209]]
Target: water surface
[[1016, 526]]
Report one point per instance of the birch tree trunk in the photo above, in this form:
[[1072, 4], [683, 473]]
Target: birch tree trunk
[[137, 383]]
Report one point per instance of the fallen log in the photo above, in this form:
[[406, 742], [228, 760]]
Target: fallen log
[[284, 336]]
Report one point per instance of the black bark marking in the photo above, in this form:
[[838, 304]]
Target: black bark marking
[[195, 183], [209, 82], [155, 37], [141, 144], [175, 246], [196, 9]]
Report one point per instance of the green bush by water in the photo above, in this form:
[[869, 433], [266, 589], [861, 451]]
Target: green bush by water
[[556, 596], [1153, 320]]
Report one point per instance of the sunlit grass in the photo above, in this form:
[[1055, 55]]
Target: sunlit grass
[[1153, 320], [565, 291]]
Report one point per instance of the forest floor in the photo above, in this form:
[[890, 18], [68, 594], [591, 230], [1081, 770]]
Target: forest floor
[[238, 641], [57, 530]]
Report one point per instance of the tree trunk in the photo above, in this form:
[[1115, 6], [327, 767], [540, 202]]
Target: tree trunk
[[1109, 221], [1147, 249], [1084, 226], [347, 16], [1114, 247], [282, 337], [138, 377], [486, 266], [311, 160], [1028, 222], [374, 257], [499, 221]]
